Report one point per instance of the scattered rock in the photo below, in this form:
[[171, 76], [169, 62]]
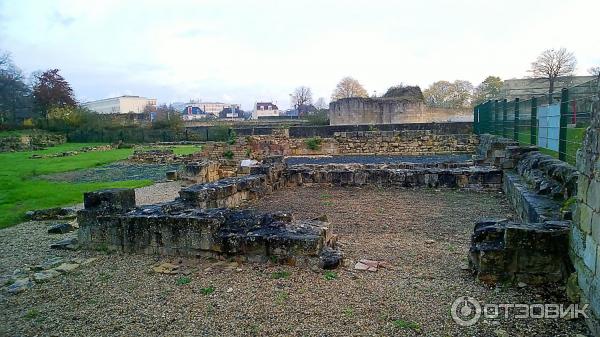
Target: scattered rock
[[67, 244], [166, 268], [20, 285], [45, 275], [229, 289], [371, 265], [429, 241], [61, 228], [521, 284], [48, 264], [85, 261], [330, 258], [52, 213], [67, 267]]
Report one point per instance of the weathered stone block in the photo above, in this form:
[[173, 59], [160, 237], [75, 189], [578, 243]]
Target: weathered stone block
[[502, 251], [111, 200]]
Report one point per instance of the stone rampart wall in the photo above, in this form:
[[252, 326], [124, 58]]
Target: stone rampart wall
[[370, 111]]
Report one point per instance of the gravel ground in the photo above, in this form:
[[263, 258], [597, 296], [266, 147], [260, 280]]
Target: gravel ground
[[159, 192], [118, 295], [377, 159], [115, 172]]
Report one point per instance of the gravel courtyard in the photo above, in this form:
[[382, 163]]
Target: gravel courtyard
[[423, 234]]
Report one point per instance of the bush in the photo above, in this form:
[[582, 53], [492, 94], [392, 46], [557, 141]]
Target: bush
[[321, 117], [313, 143], [228, 154]]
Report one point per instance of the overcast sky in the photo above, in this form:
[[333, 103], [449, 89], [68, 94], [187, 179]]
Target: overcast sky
[[244, 51]]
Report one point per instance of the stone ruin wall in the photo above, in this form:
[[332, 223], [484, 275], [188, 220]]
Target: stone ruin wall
[[369, 111], [405, 142], [585, 235], [33, 141]]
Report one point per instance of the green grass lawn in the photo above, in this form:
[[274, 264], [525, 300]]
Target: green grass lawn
[[21, 190], [178, 150], [574, 139]]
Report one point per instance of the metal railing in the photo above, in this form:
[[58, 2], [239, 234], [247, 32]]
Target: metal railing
[[556, 123]]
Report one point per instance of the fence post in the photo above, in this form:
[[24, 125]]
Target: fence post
[[533, 123], [516, 125], [495, 121], [476, 119], [504, 116], [562, 132]]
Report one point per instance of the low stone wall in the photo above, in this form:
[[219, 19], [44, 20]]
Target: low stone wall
[[111, 221], [32, 141], [538, 186], [398, 175], [585, 236]]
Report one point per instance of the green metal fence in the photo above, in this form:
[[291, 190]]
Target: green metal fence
[[556, 123]]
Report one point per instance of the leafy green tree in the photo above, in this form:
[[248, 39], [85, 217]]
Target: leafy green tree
[[488, 89], [15, 95]]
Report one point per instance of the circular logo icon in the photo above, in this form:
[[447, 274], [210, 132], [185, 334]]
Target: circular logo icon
[[466, 311]]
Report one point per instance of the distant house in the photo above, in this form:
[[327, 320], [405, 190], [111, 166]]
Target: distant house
[[201, 110], [231, 113], [121, 105], [265, 110]]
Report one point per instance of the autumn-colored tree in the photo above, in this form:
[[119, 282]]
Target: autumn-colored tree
[[488, 89], [444, 94], [52, 90], [553, 63], [348, 87]]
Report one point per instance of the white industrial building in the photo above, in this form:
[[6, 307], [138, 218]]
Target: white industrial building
[[120, 105]]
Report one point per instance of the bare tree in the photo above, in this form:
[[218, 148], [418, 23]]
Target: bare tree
[[348, 87], [321, 104], [553, 63], [302, 96], [594, 71]]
